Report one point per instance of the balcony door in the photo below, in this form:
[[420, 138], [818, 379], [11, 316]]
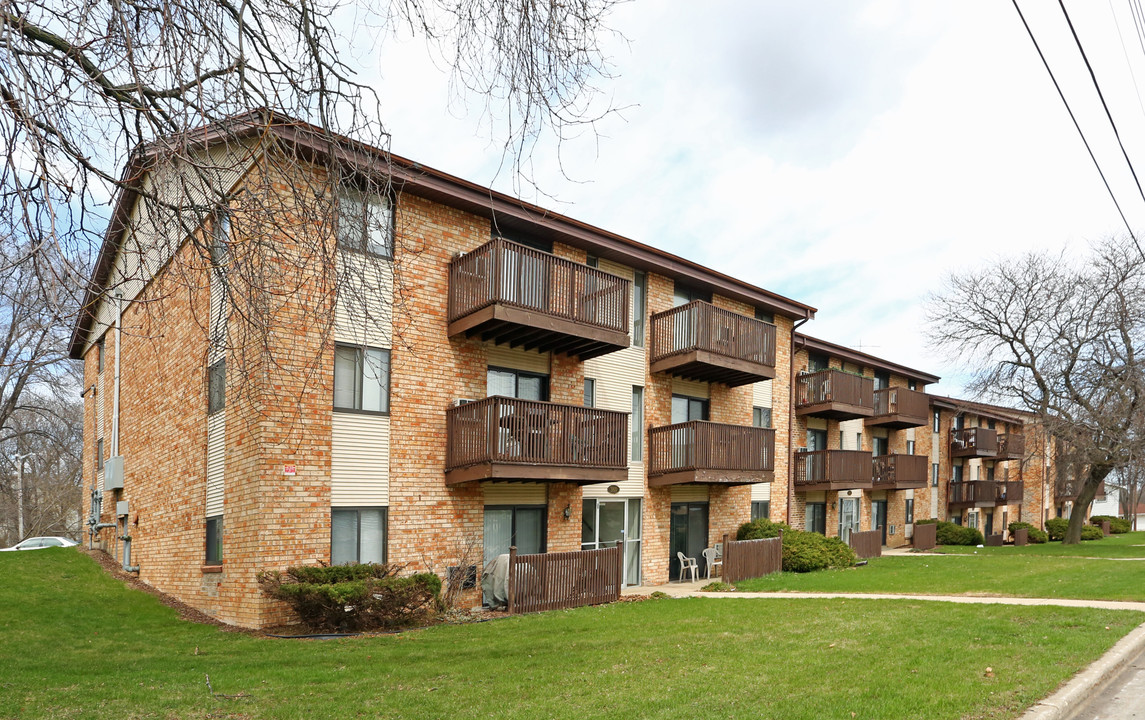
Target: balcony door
[[848, 517], [604, 522], [816, 440], [509, 525], [524, 272], [520, 428], [688, 534], [879, 446], [685, 409], [879, 517]]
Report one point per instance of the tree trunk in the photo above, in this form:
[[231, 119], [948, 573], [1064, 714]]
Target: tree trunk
[[1085, 497]]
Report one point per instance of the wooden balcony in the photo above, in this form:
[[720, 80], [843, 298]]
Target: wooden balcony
[[710, 453], [983, 493], [899, 408], [834, 394], [1011, 446], [700, 341], [502, 438], [833, 470], [900, 472], [510, 293], [973, 442], [1070, 489]]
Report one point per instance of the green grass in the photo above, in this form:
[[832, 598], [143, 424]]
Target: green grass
[[77, 644], [1126, 545]]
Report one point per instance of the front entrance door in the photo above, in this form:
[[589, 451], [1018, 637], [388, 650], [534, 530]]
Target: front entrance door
[[879, 517], [688, 534], [848, 518], [604, 522]]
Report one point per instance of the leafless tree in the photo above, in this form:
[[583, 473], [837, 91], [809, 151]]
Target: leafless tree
[[1061, 338]]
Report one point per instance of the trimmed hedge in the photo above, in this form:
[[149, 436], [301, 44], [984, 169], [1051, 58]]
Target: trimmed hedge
[[1057, 527], [1033, 534], [349, 598], [948, 533], [802, 551], [1117, 525], [1091, 532]]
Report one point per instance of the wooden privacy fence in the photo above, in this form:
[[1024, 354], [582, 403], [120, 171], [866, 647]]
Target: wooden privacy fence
[[867, 544], [1021, 537], [746, 559], [1105, 528], [994, 540], [560, 580], [925, 536]]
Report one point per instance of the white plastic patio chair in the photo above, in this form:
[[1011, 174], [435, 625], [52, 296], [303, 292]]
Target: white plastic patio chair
[[687, 564], [713, 557]]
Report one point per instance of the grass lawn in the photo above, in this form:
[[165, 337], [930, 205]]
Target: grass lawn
[[1126, 545], [1048, 570], [77, 644]]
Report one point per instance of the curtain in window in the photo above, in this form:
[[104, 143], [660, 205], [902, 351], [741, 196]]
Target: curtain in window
[[372, 542], [343, 537]]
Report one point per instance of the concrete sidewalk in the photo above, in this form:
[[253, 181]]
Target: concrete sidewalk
[[1069, 699]]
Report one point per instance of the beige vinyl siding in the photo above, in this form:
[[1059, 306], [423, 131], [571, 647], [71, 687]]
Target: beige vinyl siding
[[761, 492], [364, 313], [216, 462], [689, 492], [761, 394], [849, 428], [691, 388], [518, 359], [514, 493], [155, 234], [360, 460], [616, 374]]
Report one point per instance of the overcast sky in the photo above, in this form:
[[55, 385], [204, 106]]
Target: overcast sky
[[846, 154]]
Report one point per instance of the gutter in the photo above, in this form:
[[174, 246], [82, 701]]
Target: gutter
[[791, 418]]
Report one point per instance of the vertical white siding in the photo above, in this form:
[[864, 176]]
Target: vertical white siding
[[616, 374], [216, 462], [360, 460]]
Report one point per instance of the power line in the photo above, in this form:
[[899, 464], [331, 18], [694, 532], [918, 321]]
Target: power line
[[1108, 114], [1075, 123]]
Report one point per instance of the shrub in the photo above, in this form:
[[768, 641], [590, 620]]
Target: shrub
[[1057, 527], [950, 534], [839, 553], [1036, 536], [926, 521], [1015, 526], [1117, 525], [760, 529], [810, 551], [347, 598], [1091, 532]]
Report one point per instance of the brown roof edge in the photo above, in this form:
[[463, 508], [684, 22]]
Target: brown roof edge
[[817, 345], [436, 185], [996, 412]]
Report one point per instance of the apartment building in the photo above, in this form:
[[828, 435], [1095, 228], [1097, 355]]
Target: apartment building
[[862, 458], [528, 380]]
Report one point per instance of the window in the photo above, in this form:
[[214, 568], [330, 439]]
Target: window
[[990, 424], [817, 518], [816, 439], [637, 423], [214, 555], [858, 441], [910, 511], [99, 355], [686, 409], [520, 526], [912, 384], [365, 223], [817, 362], [882, 379], [99, 455], [937, 419], [639, 307], [521, 238], [765, 316], [761, 417], [357, 535], [956, 474], [361, 379], [910, 447], [216, 387], [517, 384], [592, 261], [879, 446], [604, 522], [682, 295], [990, 473], [220, 241], [760, 509], [934, 475], [589, 392]]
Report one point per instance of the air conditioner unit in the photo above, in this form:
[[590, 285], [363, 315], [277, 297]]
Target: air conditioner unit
[[458, 402], [890, 529], [113, 473]]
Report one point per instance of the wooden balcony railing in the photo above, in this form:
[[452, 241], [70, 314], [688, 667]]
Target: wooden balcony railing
[[508, 292], [706, 452], [900, 472], [1070, 489], [984, 493], [502, 438], [833, 470], [834, 394], [899, 407], [1011, 446], [973, 442], [700, 341]]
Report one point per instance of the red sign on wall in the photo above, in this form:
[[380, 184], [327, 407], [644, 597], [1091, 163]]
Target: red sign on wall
[[289, 469]]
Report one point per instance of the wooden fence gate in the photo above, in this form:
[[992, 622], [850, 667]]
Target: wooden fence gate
[[867, 544], [559, 580], [925, 536]]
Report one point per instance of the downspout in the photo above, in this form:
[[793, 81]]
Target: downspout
[[115, 391], [791, 416]]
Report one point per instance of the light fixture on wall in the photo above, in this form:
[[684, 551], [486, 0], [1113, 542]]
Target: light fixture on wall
[[568, 512]]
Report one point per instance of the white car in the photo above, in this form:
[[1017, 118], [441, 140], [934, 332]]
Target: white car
[[39, 543]]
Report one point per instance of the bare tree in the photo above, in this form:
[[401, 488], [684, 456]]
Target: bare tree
[[1060, 338]]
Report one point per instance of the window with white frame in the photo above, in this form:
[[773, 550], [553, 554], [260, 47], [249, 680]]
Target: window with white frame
[[365, 223]]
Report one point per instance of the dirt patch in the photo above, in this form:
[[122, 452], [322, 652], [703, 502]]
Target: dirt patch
[[186, 612]]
